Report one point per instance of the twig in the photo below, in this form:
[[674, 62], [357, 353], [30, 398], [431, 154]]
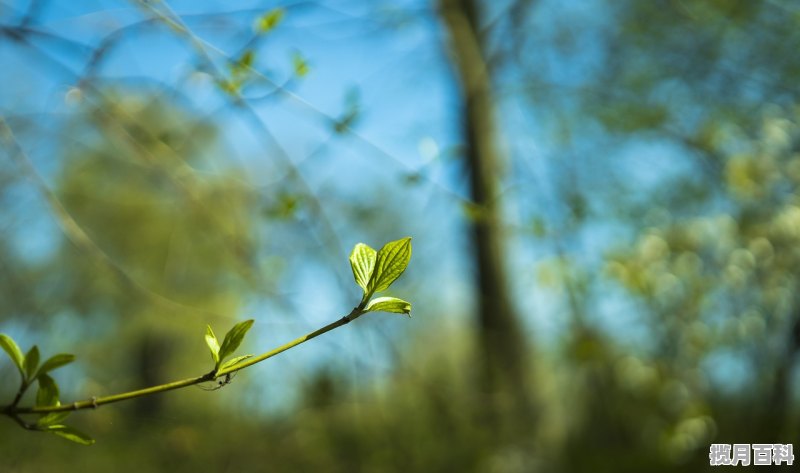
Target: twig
[[92, 403]]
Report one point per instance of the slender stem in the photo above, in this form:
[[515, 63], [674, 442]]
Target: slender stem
[[22, 388], [283, 348], [94, 402]]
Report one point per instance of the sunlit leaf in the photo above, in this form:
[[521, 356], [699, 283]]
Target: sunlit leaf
[[362, 261], [47, 394], [52, 418], [234, 360], [234, 338], [390, 263], [213, 344], [70, 433], [269, 20], [31, 362], [56, 361], [13, 351], [389, 304]]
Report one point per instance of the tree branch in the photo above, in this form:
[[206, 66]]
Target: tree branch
[[92, 403]]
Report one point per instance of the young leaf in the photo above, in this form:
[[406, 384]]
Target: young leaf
[[300, 65], [11, 347], [213, 344], [269, 20], [362, 261], [246, 61], [70, 433], [31, 362], [52, 418], [390, 263], [47, 394], [56, 361], [389, 304], [234, 338], [234, 360]]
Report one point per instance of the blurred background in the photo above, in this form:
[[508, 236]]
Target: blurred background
[[602, 195]]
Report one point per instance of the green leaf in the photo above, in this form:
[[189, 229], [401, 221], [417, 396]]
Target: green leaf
[[234, 360], [70, 433], [246, 61], [52, 418], [269, 20], [56, 361], [234, 338], [31, 362], [11, 347], [231, 87], [390, 263], [362, 261], [213, 344], [300, 65], [389, 304], [47, 394]]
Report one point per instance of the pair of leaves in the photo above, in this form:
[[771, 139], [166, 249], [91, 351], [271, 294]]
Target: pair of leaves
[[374, 271], [52, 422], [28, 364], [47, 394], [229, 345]]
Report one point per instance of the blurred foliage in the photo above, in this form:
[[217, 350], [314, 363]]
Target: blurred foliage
[[699, 270]]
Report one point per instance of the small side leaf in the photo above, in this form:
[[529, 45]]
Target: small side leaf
[[234, 338], [390, 263], [56, 361], [269, 20], [31, 362], [234, 360], [70, 433], [213, 344], [52, 418], [389, 304], [12, 349], [362, 261], [47, 394]]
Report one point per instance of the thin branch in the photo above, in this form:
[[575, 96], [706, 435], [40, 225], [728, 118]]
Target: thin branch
[[94, 402]]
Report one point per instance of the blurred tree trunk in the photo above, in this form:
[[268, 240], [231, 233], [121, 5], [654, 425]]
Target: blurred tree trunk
[[776, 425], [500, 335], [152, 354]]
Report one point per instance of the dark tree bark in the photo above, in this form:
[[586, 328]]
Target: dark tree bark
[[500, 336], [776, 426], [152, 352]]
